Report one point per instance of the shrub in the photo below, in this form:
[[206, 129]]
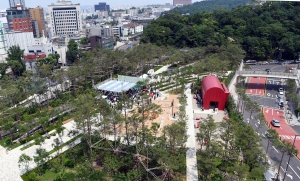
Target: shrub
[[68, 163]]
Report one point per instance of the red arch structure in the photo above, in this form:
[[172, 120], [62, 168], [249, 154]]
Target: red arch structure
[[214, 93]]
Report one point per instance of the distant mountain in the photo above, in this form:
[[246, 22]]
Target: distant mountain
[[209, 5]]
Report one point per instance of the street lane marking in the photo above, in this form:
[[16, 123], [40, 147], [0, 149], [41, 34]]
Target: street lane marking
[[293, 170], [275, 149], [255, 125]]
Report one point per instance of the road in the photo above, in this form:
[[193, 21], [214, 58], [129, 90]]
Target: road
[[269, 102]]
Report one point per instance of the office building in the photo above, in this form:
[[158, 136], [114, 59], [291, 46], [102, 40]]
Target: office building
[[37, 14], [181, 2], [18, 19], [65, 18], [102, 7], [14, 3]]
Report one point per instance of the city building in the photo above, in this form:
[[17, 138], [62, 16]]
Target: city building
[[35, 29], [118, 30], [132, 12], [181, 2], [22, 39], [214, 93], [102, 7], [65, 18], [18, 19], [3, 45], [14, 3], [101, 36], [37, 14], [41, 45], [132, 28]]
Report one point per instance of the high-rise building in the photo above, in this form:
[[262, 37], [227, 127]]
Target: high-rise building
[[181, 2], [37, 14], [18, 19], [14, 3], [102, 7], [35, 29], [64, 18]]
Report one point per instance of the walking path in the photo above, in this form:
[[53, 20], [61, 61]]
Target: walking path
[[191, 159], [9, 169]]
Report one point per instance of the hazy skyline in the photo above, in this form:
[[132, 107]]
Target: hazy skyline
[[33, 3]]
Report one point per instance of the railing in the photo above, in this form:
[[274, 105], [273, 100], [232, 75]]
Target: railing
[[280, 74]]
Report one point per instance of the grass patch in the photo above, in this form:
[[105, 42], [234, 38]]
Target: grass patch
[[158, 67], [49, 175], [65, 144], [27, 146]]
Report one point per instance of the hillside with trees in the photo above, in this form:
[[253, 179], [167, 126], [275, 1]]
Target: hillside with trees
[[209, 5], [262, 31]]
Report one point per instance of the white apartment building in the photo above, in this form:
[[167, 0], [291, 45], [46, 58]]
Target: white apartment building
[[132, 28], [41, 45], [3, 45], [65, 18], [22, 39]]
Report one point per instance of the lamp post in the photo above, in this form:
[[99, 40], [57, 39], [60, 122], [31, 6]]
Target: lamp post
[[290, 157]]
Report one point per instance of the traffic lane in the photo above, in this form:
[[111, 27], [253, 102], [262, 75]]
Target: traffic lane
[[273, 153], [256, 85], [272, 87], [285, 131], [265, 101], [272, 67]]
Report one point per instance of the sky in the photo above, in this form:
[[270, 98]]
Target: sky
[[44, 3]]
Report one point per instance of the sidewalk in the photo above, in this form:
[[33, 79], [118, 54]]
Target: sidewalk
[[9, 169], [191, 159]]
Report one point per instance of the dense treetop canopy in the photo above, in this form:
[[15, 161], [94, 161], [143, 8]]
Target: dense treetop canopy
[[209, 5], [262, 31]]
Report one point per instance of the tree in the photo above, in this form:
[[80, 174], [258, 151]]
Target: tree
[[252, 106], [84, 41], [39, 140], [24, 160], [14, 60], [72, 52], [3, 68], [41, 158]]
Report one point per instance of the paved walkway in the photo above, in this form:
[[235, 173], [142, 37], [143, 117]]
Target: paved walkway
[[9, 169], [191, 159]]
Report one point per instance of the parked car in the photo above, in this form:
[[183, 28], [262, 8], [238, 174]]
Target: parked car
[[273, 62], [297, 61], [291, 68], [263, 63], [287, 62], [280, 95], [275, 123], [268, 70], [196, 125], [280, 89]]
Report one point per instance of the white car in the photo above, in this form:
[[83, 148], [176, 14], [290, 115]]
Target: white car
[[280, 95], [280, 89], [273, 62]]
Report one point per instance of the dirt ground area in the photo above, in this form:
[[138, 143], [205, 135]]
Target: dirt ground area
[[167, 115], [165, 118]]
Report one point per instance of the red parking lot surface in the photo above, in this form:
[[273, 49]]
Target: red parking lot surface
[[256, 86], [285, 131]]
